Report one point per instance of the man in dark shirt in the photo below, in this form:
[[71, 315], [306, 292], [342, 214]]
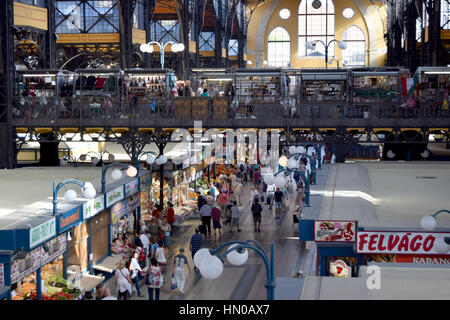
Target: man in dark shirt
[[256, 211], [196, 243], [200, 200], [278, 196]]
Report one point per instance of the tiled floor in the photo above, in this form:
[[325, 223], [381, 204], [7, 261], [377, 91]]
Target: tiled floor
[[246, 282]]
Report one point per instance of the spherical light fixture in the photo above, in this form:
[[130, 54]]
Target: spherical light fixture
[[283, 161], [211, 268], [249, 62], [95, 161], [200, 255], [300, 149], [150, 159], [116, 174], [342, 45], [89, 191], [428, 223], [143, 47], [131, 171], [292, 163], [441, 246], [111, 157], [63, 162], [181, 47], [162, 159], [284, 14], [310, 46], [390, 154], [235, 257], [425, 154], [280, 181], [292, 149], [82, 157], [70, 196], [269, 179]]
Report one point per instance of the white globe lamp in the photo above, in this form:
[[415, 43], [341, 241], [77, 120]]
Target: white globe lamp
[[280, 181], [310, 46], [292, 163], [95, 161], [111, 157], [425, 154], [89, 192], [283, 161], [70, 196], [390, 154], [116, 174], [440, 246], [180, 47], [200, 255], [237, 258], [428, 223], [131, 171], [211, 268], [300, 149], [82, 157], [292, 149], [269, 179], [342, 45], [63, 162], [150, 160]]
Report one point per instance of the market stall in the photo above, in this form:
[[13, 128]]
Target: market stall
[[376, 85], [431, 86]]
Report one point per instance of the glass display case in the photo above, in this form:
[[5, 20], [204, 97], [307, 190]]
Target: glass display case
[[323, 85], [376, 85], [219, 82], [260, 85], [432, 84]]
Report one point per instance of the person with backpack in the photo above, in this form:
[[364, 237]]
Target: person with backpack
[[256, 212], [154, 279]]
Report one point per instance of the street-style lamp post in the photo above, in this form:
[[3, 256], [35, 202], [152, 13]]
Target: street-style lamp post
[[311, 45], [210, 262], [293, 164], [148, 48], [317, 148], [89, 192], [441, 245], [97, 158], [116, 174]]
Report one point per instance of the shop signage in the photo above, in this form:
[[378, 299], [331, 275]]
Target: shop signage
[[2, 275], [334, 231], [22, 267], [133, 202], [131, 188], [114, 196], [55, 248], [70, 218], [118, 211], [410, 258], [42, 232], [397, 242], [340, 269], [93, 206]]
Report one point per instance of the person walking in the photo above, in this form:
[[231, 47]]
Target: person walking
[[179, 263], [234, 217], [154, 279], [166, 230], [270, 195], [278, 197], [216, 214], [145, 241], [123, 281], [256, 212], [238, 192], [253, 194], [223, 200], [195, 244], [205, 213], [170, 216], [160, 255], [135, 270], [107, 295]]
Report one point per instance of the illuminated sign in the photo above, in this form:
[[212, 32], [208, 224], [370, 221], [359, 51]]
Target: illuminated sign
[[340, 269]]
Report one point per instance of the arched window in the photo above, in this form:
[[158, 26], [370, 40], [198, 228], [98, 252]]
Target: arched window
[[279, 48], [355, 54], [315, 24]]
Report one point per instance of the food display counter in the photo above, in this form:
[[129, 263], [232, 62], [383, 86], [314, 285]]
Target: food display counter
[[376, 85], [323, 85]]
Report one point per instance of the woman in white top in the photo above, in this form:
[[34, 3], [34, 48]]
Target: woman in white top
[[136, 270], [123, 281], [160, 256]]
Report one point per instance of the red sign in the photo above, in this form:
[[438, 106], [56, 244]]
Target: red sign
[[334, 231], [388, 242]]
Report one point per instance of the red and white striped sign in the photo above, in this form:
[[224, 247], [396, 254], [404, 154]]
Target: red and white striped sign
[[388, 242]]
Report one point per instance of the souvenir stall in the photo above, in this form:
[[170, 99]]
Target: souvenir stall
[[260, 85], [183, 205], [376, 85], [217, 81], [432, 85], [146, 83]]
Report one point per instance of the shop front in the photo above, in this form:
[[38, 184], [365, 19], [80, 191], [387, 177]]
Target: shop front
[[335, 241], [400, 247]]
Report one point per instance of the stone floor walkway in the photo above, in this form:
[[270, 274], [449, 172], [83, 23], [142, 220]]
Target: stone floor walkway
[[247, 282]]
